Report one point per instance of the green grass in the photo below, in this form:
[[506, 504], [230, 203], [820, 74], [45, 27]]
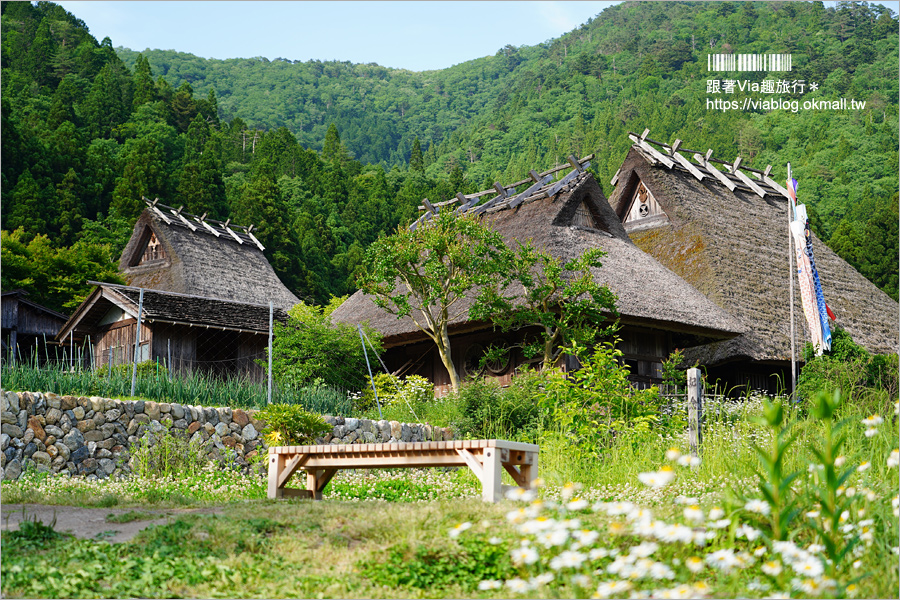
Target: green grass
[[154, 384], [385, 533]]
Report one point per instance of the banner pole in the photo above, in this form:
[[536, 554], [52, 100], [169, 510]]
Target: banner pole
[[791, 281]]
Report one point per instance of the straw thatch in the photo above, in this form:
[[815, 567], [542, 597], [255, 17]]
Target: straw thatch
[[733, 247], [198, 261], [566, 225]]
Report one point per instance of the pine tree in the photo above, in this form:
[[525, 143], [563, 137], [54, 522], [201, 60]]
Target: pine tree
[[142, 82], [416, 162]]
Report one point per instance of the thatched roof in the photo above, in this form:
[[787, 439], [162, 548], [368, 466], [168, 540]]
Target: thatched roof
[[174, 251], [169, 307], [732, 245], [566, 224]]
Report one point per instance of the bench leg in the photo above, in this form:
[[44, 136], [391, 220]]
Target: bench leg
[[492, 469], [530, 471], [277, 463]]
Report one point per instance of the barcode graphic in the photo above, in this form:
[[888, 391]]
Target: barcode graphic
[[748, 62]]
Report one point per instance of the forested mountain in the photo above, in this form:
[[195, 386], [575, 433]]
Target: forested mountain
[[325, 156]]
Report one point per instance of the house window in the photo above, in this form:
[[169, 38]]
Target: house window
[[583, 217]]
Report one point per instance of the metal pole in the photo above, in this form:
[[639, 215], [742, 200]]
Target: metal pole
[[271, 322], [71, 347], [169, 361], [137, 341], [791, 279], [695, 410], [371, 379], [109, 375]]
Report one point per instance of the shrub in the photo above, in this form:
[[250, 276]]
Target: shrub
[[166, 455], [489, 411], [412, 389], [311, 348], [291, 424]]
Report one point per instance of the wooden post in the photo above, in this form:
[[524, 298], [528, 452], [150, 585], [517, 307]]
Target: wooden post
[[271, 318], [491, 489], [276, 465], [695, 409], [137, 341]]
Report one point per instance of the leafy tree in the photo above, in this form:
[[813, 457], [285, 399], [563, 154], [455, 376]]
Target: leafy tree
[[416, 162], [561, 299], [55, 277], [310, 348], [430, 273]]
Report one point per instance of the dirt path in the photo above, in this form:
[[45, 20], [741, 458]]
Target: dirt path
[[91, 523]]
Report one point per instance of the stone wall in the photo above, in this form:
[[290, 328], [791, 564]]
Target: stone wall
[[92, 436]]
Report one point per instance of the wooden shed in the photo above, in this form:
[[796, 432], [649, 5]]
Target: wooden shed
[[658, 310], [187, 333], [723, 227], [27, 327]]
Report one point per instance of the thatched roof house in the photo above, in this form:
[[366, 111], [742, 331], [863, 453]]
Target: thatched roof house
[[658, 310], [184, 331], [174, 251], [726, 234]]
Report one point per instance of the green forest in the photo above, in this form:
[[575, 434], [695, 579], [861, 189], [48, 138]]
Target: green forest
[[324, 157]]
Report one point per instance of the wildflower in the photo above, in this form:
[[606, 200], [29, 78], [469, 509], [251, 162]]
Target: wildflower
[[694, 564], [894, 459], [586, 537], [657, 479], [815, 548], [577, 504], [809, 566], [720, 524], [772, 568], [616, 528], [895, 503], [644, 549], [748, 532], [454, 533], [839, 461], [850, 492], [871, 431], [516, 516], [863, 467], [619, 508], [760, 551], [521, 494], [542, 579], [494, 541], [872, 421], [611, 588], [673, 454], [523, 555], [852, 589], [758, 506], [569, 490], [857, 564], [716, 513], [567, 560], [722, 559], [518, 586], [689, 461], [693, 513], [490, 584], [660, 570]]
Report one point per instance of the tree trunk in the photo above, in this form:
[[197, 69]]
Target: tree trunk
[[443, 346]]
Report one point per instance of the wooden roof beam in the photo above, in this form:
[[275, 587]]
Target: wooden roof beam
[[704, 161], [181, 218], [538, 184], [735, 170], [256, 241], [673, 152], [656, 154]]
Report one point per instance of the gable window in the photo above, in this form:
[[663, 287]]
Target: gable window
[[583, 217], [152, 250], [644, 210]]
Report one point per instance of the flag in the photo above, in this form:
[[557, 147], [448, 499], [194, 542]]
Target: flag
[[814, 308]]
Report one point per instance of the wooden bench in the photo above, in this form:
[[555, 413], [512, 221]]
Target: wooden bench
[[486, 458]]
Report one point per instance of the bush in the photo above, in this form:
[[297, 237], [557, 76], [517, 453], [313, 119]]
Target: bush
[[166, 455], [310, 348], [291, 425], [412, 390], [489, 411]]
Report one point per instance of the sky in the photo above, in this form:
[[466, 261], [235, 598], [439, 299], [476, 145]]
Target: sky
[[414, 35]]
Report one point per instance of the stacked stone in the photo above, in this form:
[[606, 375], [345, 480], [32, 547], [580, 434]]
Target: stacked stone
[[363, 431], [91, 436]]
